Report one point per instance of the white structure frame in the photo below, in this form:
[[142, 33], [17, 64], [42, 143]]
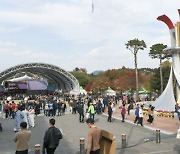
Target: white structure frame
[[62, 79]]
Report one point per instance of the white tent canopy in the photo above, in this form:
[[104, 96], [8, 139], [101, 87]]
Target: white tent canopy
[[22, 78], [110, 92], [82, 91], [78, 92]]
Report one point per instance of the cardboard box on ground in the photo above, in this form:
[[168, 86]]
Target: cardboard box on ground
[[107, 143]]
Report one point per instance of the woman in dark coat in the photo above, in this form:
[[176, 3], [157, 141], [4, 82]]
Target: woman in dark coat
[[81, 112], [109, 113]]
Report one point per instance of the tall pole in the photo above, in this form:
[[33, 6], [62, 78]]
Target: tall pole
[[136, 71], [161, 75], [178, 44]]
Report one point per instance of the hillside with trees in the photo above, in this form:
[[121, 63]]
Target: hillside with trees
[[123, 79]]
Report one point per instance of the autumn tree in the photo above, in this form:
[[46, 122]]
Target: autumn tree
[[89, 86], [105, 80], [134, 46], [100, 84], [119, 80], [156, 51], [125, 81]]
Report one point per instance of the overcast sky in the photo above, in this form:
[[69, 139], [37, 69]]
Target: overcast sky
[[67, 34]]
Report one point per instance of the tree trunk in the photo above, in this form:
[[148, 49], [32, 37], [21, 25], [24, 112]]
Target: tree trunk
[[161, 78], [136, 71]]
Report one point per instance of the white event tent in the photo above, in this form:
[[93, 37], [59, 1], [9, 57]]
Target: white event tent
[[80, 91], [110, 92]]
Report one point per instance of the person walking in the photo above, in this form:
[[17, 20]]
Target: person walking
[[140, 121], [99, 107], [93, 139], [31, 116], [26, 115], [110, 112], [59, 108], [46, 109], [81, 112], [36, 108], [63, 107], [10, 110], [105, 103], [6, 108], [74, 106], [51, 109], [55, 106], [51, 138], [18, 119], [177, 110], [91, 110], [13, 109], [22, 138], [123, 112], [150, 114], [136, 114]]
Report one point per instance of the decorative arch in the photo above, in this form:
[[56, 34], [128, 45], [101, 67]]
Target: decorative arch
[[62, 79]]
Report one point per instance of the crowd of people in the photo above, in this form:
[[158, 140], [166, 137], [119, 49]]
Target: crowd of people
[[25, 110], [52, 106]]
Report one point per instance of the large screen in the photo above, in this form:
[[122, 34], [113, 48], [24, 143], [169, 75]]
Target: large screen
[[22, 86], [30, 85], [36, 85], [16, 86]]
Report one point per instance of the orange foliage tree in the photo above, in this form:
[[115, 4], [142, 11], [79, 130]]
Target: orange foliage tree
[[119, 80]]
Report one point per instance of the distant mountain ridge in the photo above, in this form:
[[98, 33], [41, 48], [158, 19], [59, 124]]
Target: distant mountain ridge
[[97, 72]]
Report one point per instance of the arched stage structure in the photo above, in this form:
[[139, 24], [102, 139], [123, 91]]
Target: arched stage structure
[[60, 78]]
